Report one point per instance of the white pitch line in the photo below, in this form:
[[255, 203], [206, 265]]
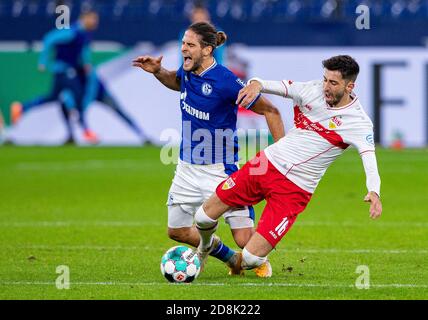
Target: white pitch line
[[60, 224], [80, 165], [81, 247], [389, 224], [159, 248], [216, 284], [362, 251], [53, 224]]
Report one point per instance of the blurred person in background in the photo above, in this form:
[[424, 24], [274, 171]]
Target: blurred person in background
[[66, 54], [2, 127], [95, 90]]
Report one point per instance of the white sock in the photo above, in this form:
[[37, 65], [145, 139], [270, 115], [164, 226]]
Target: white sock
[[250, 261], [206, 227]]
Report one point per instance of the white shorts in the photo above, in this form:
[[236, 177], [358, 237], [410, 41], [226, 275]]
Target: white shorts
[[192, 185]]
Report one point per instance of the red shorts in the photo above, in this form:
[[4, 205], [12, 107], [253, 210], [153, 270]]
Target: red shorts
[[258, 179]]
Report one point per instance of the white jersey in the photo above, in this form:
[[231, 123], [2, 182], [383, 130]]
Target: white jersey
[[320, 135]]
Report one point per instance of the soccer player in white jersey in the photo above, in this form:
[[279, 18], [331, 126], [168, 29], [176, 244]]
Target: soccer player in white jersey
[[208, 103], [328, 117]]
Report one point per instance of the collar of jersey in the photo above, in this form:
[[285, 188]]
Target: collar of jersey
[[208, 69], [355, 98]]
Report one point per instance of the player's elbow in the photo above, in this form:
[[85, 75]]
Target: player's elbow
[[273, 111]]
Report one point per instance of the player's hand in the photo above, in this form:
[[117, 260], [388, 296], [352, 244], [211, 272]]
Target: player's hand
[[149, 64], [249, 93], [375, 204]]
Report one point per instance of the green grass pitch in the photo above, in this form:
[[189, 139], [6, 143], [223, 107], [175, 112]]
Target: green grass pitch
[[102, 213]]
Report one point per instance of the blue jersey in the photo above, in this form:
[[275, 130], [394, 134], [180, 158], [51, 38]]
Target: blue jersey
[[209, 114], [66, 48]]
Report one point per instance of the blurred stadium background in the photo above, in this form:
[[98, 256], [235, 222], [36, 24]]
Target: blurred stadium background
[[102, 210], [269, 38]]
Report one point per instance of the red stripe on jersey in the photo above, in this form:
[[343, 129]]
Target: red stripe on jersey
[[286, 89], [363, 152], [303, 122]]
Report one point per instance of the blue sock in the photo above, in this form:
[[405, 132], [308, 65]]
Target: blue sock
[[222, 252]]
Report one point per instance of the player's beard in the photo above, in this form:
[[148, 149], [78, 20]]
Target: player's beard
[[196, 64], [336, 98]]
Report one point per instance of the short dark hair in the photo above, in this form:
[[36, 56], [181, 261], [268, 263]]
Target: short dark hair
[[209, 35], [346, 65]]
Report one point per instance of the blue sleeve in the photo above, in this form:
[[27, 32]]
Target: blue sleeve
[[86, 55], [232, 88], [180, 72], [50, 40]]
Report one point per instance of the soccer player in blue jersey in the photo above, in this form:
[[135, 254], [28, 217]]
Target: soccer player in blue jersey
[[66, 55], [209, 146], [95, 90]]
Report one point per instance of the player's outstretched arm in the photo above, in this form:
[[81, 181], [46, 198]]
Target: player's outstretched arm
[[373, 184], [154, 65], [273, 117], [256, 86]]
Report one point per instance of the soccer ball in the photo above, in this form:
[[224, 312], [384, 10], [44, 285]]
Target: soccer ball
[[180, 264]]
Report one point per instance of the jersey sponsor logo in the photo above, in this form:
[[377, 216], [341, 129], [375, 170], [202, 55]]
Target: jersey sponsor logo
[[302, 122], [195, 112], [228, 184], [242, 83], [307, 106], [281, 227], [207, 89], [370, 139]]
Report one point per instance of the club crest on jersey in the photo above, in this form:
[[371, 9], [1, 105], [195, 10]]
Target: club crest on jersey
[[207, 89], [228, 184], [335, 122]]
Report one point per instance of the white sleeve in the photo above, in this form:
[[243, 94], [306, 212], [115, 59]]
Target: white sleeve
[[372, 175], [284, 88]]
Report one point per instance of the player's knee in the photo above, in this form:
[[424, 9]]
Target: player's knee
[[250, 261], [242, 236], [215, 207], [178, 234], [203, 221], [241, 241]]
